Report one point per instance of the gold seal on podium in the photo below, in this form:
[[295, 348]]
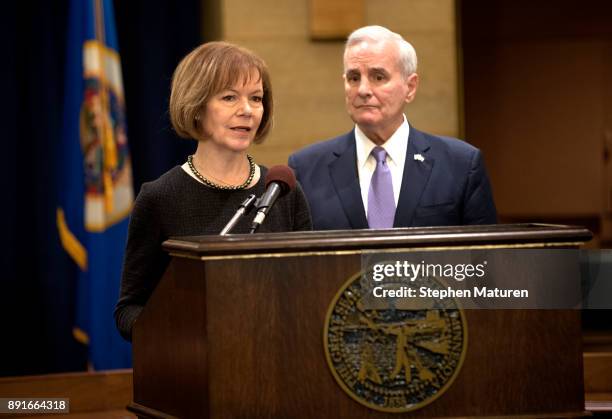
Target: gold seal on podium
[[393, 354]]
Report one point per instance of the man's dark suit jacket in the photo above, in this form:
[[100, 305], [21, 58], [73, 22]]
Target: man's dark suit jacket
[[449, 186]]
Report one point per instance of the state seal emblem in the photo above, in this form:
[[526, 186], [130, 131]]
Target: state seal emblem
[[393, 357]]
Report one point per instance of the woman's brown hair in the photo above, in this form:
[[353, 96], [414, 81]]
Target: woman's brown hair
[[208, 70]]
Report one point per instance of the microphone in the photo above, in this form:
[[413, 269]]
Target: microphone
[[279, 181], [245, 207]]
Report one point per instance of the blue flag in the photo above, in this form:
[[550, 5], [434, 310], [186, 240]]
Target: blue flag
[[96, 192]]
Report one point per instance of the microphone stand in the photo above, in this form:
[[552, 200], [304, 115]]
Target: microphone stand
[[259, 217], [265, 203], [245, 207]]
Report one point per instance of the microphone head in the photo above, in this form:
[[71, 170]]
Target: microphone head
[[284, 176]]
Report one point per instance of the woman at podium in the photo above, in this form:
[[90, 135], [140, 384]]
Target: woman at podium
[[222, 98]]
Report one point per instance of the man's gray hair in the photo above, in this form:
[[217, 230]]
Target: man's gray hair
[[376, 34]]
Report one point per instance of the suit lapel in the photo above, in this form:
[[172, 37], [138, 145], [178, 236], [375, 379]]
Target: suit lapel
[[343, 172], [414, 180]]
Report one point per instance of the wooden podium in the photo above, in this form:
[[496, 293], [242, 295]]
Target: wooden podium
[[235, 330]]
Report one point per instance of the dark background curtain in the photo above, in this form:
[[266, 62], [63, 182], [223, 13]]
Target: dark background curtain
[[37, 282]]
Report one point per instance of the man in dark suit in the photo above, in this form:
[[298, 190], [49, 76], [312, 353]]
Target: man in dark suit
[[385, 173]]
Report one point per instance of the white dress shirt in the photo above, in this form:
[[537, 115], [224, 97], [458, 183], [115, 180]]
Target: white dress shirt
[[395, 147]]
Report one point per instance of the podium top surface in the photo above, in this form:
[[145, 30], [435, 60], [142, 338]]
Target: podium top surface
[[500, 235]]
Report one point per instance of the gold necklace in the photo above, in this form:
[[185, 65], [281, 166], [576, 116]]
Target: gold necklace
[[214, 185]]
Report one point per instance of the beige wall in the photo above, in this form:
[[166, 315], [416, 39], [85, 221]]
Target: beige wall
[[306, 75]]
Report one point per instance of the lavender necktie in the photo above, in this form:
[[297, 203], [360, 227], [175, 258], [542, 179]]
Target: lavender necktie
[[381, 204]]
